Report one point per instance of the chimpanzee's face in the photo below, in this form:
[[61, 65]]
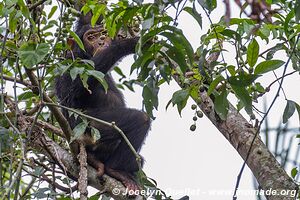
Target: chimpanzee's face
[[96, 39]]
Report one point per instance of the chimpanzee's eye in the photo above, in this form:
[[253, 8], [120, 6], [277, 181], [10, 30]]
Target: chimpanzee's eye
[[91, 37]]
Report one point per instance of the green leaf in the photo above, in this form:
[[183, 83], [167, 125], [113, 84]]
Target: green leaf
[[180, 99], [268, 65], [243, 79], [119, 71], [150, 99], [77, 39], [252, 53], [12, 21], [145, 58], [76, 71], [264, 32], [97, 197], [259, 88], [231, 70], [288, 111], [166, 28], [179, 96], [24, 8], [129, 14], [210, 5], [95, 134], [85, 9], [84, 78], [25, 95], [88, 64], [294, 172], [100, 77], [288, 18], [269, 2], [181, 45], [231, 34], [111, 25], [32, 54], [243, 95], [176, 55], [222, 104], [97, 12], [194, 91], [147, 23], [150, 95], [297, 11], [195, 14], [298, 110], [214, 84], [165, 72], [53, 9], [79, 130]]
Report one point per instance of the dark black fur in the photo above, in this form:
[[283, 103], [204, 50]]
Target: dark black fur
[[111, 149]]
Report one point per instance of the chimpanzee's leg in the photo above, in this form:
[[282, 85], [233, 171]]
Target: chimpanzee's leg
[[121, 163], [135, 125], [126, 178], [97, 164]]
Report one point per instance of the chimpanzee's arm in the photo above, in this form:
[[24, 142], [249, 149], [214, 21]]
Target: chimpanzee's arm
[[105, 59]]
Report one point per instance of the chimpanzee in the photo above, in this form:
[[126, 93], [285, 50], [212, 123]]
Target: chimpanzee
[[110, 154]]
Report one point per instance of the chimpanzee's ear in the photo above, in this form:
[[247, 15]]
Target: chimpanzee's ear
[[71, 43]]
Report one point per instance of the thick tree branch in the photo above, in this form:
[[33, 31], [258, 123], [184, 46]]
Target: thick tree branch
[[82, 180], [49, 127], [58, 186], [236, 129], [22, 82], [56, 112]]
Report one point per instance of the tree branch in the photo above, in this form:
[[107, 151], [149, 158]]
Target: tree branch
[[240, 134], [63, 123], [261, 161], [22, 82], [82, 180]]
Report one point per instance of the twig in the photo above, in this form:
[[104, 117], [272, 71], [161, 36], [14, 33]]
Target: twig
[[112, 125], [34, 123], [277, 79], [38, 3], [227, 11], [25, 83], [32, 110], [50, 127], [60, 187], [56, 112], [20, 165]]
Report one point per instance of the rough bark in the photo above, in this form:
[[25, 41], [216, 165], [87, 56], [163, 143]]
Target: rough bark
[[82, 180]]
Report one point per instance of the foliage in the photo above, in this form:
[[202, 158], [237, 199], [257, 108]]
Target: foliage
[[33, 39]]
